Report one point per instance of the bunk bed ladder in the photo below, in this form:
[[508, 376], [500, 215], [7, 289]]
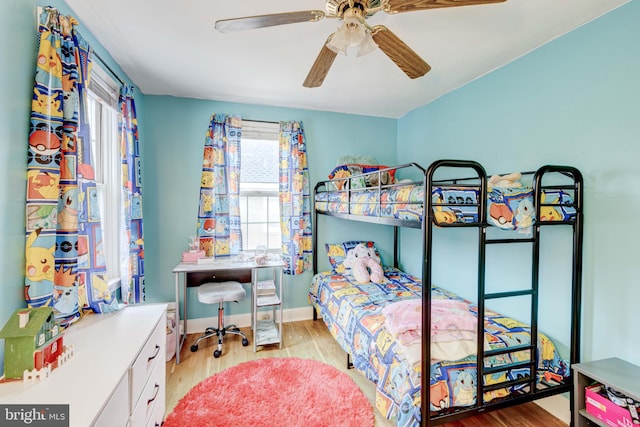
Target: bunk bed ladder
[[531, 347]]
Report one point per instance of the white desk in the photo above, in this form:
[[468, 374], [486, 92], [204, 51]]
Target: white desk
[[194, 274]]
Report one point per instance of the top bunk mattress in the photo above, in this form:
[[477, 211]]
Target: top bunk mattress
[[507, 208]]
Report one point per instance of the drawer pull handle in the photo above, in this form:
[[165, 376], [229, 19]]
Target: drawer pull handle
[[154, 354], [155, 394]]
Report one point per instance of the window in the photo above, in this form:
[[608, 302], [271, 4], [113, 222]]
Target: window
[[103, 116], [259, 202]]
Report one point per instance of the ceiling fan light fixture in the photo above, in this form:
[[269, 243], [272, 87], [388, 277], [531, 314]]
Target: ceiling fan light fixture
[[339, 42], [354, 30], [351, 34], [367, 45]]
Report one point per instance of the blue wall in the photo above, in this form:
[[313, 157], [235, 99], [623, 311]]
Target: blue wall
[[173, 150], [574, 101]]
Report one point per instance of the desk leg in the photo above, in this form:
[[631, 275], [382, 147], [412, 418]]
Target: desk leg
[[281, 283], [254, 310], [181, 336], [184, 308], [178, 333]]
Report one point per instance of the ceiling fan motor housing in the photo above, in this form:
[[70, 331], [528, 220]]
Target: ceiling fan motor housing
[[337, 8]]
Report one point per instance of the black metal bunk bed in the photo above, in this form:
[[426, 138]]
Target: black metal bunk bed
[[427, 224]]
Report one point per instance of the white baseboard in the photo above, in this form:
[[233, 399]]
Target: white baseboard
[[195, 326], [558, 406]]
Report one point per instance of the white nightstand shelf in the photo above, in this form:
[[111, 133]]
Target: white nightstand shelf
[[266, 310], [266, 333], [616, 373]]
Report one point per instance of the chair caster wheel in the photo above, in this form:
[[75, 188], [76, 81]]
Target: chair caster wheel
[[194, 348], [217, 353], [245, 342]]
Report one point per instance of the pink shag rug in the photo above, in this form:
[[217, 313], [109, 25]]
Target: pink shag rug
[[275, 392]]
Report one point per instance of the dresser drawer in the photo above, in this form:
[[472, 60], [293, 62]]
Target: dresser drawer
[[157, 415], [151, 398], [116, 412], [153, 354]]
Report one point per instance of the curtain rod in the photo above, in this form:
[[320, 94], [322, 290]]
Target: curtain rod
[[263, 121], [105, 65]]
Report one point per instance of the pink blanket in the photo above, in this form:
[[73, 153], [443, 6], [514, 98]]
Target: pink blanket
[[451, 320]]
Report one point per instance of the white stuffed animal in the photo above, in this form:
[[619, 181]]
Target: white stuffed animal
[[364, 264], [511, 180]]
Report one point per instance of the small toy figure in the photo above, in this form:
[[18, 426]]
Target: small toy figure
[[193, 243]]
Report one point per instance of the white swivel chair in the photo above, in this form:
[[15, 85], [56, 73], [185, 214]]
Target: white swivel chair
[[220, 292]]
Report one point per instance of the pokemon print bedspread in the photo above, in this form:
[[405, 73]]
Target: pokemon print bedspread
[[508, 208], [354, 315]]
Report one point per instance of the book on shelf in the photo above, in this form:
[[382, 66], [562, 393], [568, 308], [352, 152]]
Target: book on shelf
[[265, 287]]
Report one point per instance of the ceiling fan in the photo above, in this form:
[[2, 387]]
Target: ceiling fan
[[354, 33]]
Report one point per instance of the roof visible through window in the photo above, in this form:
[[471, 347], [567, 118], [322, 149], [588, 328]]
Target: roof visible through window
[[259, 161], [259, 157]]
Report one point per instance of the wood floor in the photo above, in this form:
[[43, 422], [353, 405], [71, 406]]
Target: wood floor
[[311, 340]]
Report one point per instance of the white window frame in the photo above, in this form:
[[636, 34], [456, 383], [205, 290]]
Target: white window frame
[[104, 91], [269, 131]]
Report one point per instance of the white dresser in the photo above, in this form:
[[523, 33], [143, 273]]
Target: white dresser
[[116, 376]]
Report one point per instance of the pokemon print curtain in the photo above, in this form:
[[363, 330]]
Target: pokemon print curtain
[[65, 263], [132, 253], [219, 230], [295, 200]]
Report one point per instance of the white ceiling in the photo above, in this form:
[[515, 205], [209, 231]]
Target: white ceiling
[[170, 47]]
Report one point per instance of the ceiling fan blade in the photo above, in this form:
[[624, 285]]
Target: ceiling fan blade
[[403, 56], [396, 6], [261, 21], [321, 66]]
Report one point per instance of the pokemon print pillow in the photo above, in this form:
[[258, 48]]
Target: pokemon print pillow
[[337, 253]]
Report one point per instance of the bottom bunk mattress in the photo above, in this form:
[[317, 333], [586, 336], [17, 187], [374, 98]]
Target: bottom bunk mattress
[[357, 315]]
